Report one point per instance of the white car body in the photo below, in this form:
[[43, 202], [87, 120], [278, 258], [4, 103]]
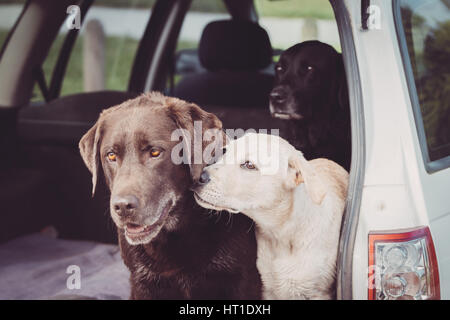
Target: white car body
[[397, 190]]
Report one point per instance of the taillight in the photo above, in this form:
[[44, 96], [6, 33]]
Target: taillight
[[403, 265]]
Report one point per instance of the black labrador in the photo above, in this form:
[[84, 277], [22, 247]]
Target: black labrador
[[311, 92], [174, 248]]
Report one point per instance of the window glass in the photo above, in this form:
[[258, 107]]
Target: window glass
[[9, 13], [426, 25], [199, 15], [289, 22], [109, 38]]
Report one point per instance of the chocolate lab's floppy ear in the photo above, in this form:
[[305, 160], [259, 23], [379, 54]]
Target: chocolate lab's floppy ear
[[89, 152], [301, 171], [196, 122]]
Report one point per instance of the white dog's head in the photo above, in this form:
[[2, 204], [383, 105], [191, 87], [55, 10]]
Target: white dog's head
[[256, 173]]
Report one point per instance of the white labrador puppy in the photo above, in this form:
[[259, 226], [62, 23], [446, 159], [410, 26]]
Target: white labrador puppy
[[297, 206]]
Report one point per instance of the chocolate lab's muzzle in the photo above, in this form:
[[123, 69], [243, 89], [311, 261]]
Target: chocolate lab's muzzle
[[125, 206]]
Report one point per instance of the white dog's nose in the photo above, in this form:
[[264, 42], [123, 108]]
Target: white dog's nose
[[204, 178]]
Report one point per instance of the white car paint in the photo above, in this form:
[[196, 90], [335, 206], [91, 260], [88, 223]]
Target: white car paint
[[398, 192]]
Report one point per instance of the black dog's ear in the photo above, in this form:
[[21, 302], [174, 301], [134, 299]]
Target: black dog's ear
[[198, 126], [341, 84], [88, 145]]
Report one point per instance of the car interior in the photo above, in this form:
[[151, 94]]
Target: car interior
[[232, 63], [48, 214]]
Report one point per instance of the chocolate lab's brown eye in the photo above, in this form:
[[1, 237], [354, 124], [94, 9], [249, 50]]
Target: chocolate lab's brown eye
[[111, 156], [279, 68], [154, 153], [248, 165]]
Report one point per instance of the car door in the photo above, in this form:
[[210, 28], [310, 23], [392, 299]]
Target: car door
[[423, 28]]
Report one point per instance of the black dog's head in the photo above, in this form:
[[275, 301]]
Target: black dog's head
[[131, 146], [309, 78]]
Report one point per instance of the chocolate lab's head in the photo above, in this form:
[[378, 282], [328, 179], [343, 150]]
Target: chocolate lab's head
[[131, 146], [309, 79]]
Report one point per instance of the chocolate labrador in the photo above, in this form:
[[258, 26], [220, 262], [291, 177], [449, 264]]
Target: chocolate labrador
[[174, 248], [311, 92]]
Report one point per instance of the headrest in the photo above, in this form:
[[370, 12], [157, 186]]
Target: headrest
[[234, 45]]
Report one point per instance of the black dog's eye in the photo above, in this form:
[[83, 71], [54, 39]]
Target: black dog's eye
[[248, 165], [308, 68], [279, 68], [305, 69]]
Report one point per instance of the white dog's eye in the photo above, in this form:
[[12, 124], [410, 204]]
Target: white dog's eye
[[248, 165]]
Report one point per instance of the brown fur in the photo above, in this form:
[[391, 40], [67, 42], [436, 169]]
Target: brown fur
[[188, 253]]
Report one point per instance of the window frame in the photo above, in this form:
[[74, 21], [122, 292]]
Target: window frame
[[65, 52], [344, 263], [431, 166]]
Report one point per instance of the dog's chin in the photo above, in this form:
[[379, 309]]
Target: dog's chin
[[137, 234], [147, 234], [208, 205], [284, 115]]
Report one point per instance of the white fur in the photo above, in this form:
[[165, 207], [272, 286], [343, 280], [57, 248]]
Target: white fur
[[297, 227]]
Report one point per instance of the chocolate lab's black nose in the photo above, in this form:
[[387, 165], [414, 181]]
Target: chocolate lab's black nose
[[125, 205], [277, 96], [204, 178]]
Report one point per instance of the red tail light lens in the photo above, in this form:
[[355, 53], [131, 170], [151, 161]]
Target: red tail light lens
[[403, 265]]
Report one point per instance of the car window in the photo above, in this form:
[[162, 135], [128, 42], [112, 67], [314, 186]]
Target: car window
[[292, 21], [103, 54], [9, 13], [199, 15], [201, 12], [426, 29], [287, 22]]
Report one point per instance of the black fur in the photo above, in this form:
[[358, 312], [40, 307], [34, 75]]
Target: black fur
[[311, 91]]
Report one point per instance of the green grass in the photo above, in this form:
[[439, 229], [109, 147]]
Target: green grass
[[319, 9], [120, 51], [3, 35], [197, 5], [12, 1], [120, 54], [182, 44]]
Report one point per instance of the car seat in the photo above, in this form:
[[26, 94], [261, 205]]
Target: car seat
[[234, 54]]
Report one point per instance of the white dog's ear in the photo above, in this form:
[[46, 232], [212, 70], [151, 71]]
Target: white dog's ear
[[300, 171]]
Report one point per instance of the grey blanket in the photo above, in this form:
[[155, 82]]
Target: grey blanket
[[39, 266]]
